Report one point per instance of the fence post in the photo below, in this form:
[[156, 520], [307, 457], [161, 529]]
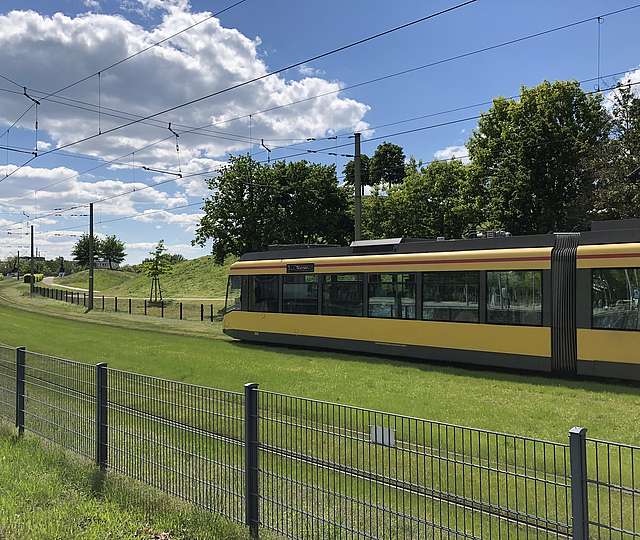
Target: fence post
[[103, 302], [211, 305], [145, 306], [101, 416], [579, 501], [84, 299], [252, 519], [116, 304], [180, 310], [202, 312], [162, 308], [129, 306], [20, 376]]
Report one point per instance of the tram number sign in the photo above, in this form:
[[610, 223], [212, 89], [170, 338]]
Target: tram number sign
[[300, 268]]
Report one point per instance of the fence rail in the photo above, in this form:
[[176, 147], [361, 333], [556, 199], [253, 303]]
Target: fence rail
[[167, 308], [304, 468]]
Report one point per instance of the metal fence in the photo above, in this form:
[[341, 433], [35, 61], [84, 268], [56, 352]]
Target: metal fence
[[304, 468], [167, 308]]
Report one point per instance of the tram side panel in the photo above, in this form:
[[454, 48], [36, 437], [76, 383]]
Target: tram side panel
[[608, 310]]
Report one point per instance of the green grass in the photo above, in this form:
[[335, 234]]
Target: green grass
[[104, 280], [197, 278], [48, 494], [524, 404]]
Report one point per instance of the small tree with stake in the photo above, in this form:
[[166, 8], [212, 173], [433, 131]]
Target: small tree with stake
[[154, 267]]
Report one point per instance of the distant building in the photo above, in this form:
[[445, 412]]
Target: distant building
[[105, 264]]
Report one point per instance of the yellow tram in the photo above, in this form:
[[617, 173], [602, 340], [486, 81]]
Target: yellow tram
[[567, 303]]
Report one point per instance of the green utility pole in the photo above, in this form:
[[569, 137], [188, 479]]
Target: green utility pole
[[31, 267], [91, 262], [357, 183]]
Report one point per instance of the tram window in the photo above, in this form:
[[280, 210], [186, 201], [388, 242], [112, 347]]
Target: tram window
[[234, 293], [450, 296], [392, 296], [300, 294], [615, 298], [514, 297], [263, 293], [342, 295]]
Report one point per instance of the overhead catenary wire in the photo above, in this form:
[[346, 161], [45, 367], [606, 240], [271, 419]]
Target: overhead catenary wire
[[463, 55], [259, 78], [298, 154]]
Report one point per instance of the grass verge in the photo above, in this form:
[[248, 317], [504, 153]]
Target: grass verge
[[519, 403], [48, 494]]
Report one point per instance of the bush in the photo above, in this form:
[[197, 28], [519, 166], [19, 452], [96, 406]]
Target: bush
[[38, 277], [26, 278]]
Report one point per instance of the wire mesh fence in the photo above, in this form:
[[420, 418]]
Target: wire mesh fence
[[183, 439], [368, 474], [7, 383], [185, 310], [614, 490], [305, 468]]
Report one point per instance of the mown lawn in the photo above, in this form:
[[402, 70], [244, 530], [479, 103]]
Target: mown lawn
[[524, 404], [104, 280], [47, 494]]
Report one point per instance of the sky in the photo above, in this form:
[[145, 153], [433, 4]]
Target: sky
[[47, 44]]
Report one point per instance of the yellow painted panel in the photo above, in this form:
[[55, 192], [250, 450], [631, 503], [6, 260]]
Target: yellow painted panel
[[493, 259], [609, 345], [609, 256], [525, 340]]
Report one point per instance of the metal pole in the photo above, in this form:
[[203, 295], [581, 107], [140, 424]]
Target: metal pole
[[31, 268], [101, 416], [252, 518], [18, 267], [579, 501], [91, 246], [357, 185], [20, 376]]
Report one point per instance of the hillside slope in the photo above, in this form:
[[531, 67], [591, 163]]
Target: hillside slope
[[197, 278]]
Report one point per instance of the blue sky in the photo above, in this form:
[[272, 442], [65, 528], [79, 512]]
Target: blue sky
[[287, 32]]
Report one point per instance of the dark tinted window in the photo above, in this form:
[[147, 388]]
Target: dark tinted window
[[263, 293], [342, 295], [515, 297], [234, 290], [450, 296], [615, 298], [300, 294], [392, 295]]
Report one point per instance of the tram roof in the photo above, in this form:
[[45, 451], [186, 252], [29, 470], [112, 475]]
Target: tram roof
[[602, 232]]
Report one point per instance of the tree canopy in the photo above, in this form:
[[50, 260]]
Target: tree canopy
[[112, 250], [254, 204]]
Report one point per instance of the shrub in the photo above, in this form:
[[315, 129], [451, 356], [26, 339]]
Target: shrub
[[38, 277], [26, 278]]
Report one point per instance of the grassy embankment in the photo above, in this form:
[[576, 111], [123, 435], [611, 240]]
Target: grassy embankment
[[197, 278], [521, 403], [48, 494]]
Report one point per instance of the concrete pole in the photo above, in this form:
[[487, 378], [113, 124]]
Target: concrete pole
[[90, 300]]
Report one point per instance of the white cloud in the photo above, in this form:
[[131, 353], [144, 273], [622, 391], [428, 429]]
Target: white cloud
[[631, 77], [309, 71], [452, 152], [92, 4], [210, 57]]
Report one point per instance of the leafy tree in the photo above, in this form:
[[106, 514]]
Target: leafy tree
[[349, 171], [387, 165], [441, 199], [80, 250], [112, 250], [618, 185], [155, 267], [253, 205], [536, 157]]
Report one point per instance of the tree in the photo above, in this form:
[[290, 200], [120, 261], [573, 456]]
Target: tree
[[253, 205], [618, 185], [441, 199], [156, 266], [80, 250], [387, 165], [112, 250], [349, 171], [536, 157]]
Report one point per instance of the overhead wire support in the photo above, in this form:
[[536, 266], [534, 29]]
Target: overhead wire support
[[176, 135], [267, 149], [37, 104], [178, 174]]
